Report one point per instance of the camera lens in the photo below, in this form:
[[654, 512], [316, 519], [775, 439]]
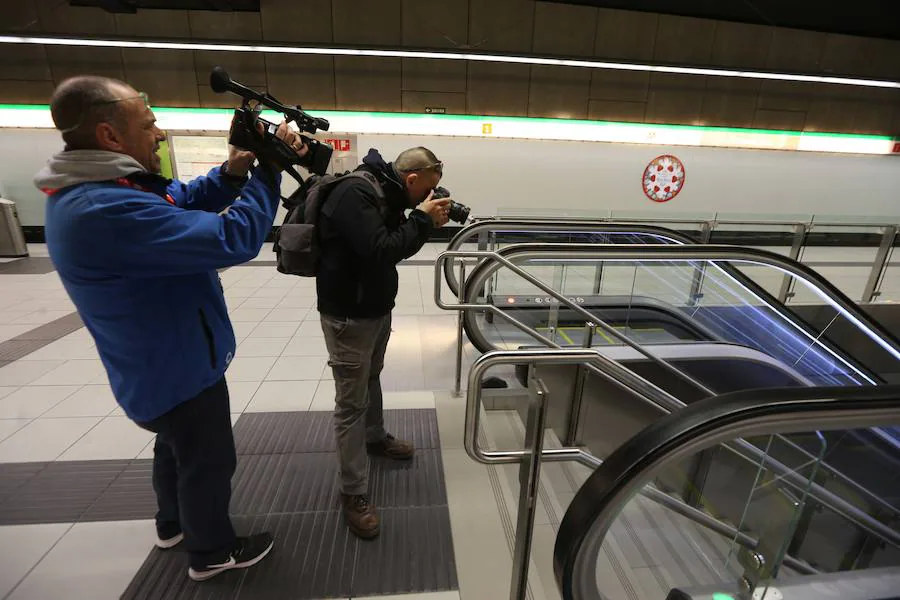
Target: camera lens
[[458, 213]]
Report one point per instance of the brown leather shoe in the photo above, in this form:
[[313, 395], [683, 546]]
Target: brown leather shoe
[[391, 447], [361, 516]]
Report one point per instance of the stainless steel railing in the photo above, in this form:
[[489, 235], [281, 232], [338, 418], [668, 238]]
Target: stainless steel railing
[[486, 228], [531, 457]]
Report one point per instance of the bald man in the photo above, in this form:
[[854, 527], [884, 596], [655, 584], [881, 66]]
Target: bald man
[[138, 254], [364, 233]]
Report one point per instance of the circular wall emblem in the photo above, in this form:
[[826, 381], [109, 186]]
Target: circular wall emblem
[[663, 178]]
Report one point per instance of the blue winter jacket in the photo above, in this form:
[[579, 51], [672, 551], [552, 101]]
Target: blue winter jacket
[[140, 267]]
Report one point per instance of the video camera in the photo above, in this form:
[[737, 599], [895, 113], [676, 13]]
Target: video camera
[[458, 213], [245, 134]]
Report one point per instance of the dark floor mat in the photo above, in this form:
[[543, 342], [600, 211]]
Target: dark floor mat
[[315, 556], [286, 482]]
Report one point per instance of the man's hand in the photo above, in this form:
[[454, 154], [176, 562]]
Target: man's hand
[[240, 161], [292, 139], [438, 210]]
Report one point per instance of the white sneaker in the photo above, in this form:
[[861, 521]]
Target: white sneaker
[[248, 552], [169, 543]]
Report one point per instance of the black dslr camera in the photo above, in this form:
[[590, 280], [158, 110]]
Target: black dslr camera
[[244, 132], [458, 213]]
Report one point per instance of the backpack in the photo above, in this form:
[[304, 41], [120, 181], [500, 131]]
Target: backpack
[[297, 240]]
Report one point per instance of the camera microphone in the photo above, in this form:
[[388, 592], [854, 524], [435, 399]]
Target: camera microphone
[[220, 82]]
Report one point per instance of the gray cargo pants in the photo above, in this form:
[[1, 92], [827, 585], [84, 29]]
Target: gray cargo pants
[[356, 350]]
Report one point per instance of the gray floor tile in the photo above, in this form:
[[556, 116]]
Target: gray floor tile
[[92, 561], [44, 439], [31, 543]]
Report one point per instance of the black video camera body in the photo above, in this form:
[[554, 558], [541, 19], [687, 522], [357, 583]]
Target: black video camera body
[[245, 133], [458, 213]]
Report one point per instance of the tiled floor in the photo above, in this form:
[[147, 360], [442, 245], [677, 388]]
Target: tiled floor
[[55, 405]]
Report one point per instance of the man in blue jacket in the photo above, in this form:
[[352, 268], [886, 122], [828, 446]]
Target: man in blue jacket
[[138, 255]]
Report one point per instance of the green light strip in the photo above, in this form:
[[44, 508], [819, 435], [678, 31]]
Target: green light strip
[[523, 120]]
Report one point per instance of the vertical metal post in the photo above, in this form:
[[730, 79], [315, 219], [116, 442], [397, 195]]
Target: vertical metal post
[[559, 277], [492, 281], [457, 382], [529, 483], [787, 284], [884, 251], [700, 269], [598, 278], [578, 391]]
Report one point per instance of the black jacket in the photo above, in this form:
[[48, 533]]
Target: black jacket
[[362, 239]]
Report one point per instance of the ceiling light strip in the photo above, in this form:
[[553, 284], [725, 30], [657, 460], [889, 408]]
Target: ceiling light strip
[[497, 58], [210, 119]]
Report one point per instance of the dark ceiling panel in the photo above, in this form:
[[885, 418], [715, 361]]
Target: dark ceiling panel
[[612, 110], [675, 99], [501, 25], [68, 62], [797, 51], [247, 67], [741, 46], [308, 21], [149, 23], [867, 18], [422, 75], [627, 86], [167, 76], [25, 62], [625, 35], [559, 92], [304, 80], [57, 17], [564, 30], [684, 40], [498, 89], [366, 83], [729, 102], [129, 6], [366, 22], [435, 23]]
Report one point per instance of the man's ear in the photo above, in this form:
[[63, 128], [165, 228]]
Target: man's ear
[[108, 137], [411, 179]]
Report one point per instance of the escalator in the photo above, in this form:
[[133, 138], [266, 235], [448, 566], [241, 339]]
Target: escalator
[[638, 303], [591, 536]]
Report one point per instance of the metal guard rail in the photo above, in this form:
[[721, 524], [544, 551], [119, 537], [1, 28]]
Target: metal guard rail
[[665, 401], [702, 425], [661, 253], [654, 395], [551, 226]]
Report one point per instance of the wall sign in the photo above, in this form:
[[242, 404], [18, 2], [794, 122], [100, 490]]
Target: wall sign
[[663, 178]]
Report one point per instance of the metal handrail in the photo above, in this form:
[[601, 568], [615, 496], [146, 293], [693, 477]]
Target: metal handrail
[[711, 253], [570, 248], [653, 395], [588, 316], [714, 221], [706, 226], [551, 226], [602, 498]]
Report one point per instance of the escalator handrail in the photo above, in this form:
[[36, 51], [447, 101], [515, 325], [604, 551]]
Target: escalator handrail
[[713, 253], [609, 330], [551, 225], [702, 425]]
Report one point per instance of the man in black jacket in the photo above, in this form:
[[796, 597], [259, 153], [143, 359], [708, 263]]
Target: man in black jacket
[[362, 238]]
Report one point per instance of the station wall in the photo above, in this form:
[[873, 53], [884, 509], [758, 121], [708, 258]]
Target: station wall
[[562, 178]]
